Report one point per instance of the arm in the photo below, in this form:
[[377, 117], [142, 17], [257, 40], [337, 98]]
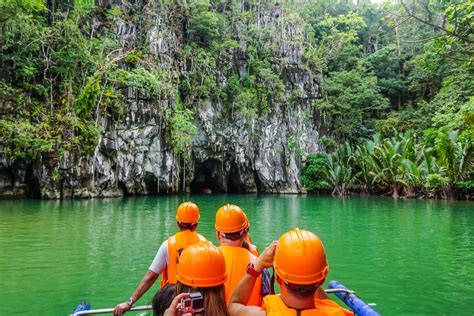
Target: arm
[[244, 289], [147, 281], [241, 295], [156, 268]]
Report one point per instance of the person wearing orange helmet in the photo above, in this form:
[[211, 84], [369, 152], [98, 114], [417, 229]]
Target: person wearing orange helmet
[[231, 230], [300, 264], [202, 269], [164, 263]]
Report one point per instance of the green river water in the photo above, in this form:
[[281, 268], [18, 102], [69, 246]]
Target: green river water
[[409, 257]]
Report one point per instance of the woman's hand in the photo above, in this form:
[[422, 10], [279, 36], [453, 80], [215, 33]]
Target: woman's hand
[[172, 310]]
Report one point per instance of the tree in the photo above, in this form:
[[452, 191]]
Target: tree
[[339, 171], [453, 154], [351, 104], [182, 130], [312, 175]]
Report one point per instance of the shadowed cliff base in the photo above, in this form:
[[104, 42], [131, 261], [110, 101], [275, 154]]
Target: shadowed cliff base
[[211, 176]]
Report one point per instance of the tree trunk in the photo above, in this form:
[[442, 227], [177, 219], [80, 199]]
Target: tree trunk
[[365, 190], [176, 173], [395, 193], [184, 175], [342, 192], [409, 192], [448, 193], [399, 96]]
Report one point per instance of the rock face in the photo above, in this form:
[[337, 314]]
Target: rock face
[[133, 156]]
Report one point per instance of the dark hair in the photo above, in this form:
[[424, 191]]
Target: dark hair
[[214, 298], [162, 299], [187, 226], [303, 290], [234, 236]]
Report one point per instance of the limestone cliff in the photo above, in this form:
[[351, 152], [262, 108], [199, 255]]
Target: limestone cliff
[[231, 152]]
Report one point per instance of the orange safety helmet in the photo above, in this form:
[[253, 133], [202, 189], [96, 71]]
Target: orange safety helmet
[[230, 219], [201, 265], [187, 212], [300, 258]]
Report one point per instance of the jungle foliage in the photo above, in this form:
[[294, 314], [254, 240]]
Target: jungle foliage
[[60, 75], [398, 104], [435, 164], [393, 75]]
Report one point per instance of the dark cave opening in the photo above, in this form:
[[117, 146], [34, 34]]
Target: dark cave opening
[[234, 184], [258, 183], [151, 183], [123, 188], [32, 184], [209, 175]]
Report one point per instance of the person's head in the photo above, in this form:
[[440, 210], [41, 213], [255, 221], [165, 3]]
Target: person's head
[[187, 216], [231, 225], [201, 268], [162, 299], [300, 263]]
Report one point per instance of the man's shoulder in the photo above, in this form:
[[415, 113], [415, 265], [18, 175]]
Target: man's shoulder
[[202, 238], [164, 245]]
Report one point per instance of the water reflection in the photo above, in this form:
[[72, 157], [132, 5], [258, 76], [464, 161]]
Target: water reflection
[[404, 255]]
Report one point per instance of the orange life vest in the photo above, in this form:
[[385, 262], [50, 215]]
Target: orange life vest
[[176, 245], [236, 261], [274, 306]]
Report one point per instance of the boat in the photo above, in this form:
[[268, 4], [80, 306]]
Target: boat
[[355, 303]]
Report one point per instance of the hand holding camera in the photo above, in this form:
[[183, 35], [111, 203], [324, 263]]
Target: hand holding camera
[[186, 304], [192, 304]]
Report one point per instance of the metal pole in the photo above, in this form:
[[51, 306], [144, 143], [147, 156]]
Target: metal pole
[[110, 310], [148, 307], [338, 291]]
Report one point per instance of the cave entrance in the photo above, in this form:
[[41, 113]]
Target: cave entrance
[[209, 175], [151, 183], [234, 184], [33, 185]]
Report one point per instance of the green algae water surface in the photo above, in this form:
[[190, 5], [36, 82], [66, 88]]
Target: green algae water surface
[[409, 257]]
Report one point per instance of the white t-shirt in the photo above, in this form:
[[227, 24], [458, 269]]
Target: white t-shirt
[[160, 262]]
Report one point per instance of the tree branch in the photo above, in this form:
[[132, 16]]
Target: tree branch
[[411, 14], [422, 40]]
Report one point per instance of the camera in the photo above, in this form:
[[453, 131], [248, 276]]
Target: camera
[[193, 303]]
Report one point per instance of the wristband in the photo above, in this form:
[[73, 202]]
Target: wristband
[[251, 270]]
